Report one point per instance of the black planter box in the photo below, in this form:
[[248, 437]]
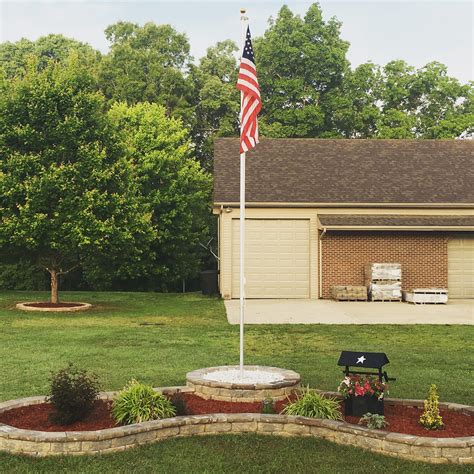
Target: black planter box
[[359, 406]]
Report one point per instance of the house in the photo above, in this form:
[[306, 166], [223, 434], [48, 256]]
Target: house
[[318, 210]]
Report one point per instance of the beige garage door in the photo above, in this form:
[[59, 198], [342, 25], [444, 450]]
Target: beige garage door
[[461, 267], [277, 258]]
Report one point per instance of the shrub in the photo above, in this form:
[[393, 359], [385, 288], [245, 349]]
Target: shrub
[[73, 392], [431, 419], [138, 402], [311, 404], [180, 404], [373, 421], [268, 406]]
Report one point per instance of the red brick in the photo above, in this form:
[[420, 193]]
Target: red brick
[[423, 256]]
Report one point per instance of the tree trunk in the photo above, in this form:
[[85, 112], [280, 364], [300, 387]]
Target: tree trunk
[[54, 286]]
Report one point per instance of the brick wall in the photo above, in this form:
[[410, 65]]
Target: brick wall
[[423, 255]]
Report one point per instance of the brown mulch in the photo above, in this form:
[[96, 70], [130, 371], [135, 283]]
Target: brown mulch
[[199, 406], [401, 419], [53, 305], [36, 417]]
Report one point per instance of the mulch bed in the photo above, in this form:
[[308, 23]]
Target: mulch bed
[[404, 419], [401, 419], [36, 417], [53, 305]]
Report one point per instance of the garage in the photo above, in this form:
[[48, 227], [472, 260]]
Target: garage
[[461, 267], [277, 258]]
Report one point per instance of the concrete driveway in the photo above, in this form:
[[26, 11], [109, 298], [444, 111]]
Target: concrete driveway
[[335, 312]]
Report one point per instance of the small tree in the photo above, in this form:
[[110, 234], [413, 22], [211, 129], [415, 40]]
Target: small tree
[[67, 194], [431, 419]]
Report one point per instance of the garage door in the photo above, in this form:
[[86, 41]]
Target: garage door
[[277, 258], [461, 267]]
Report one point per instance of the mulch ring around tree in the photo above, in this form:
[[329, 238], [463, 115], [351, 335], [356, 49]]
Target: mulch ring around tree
[[401, 419], [48, 306], [54, 305]]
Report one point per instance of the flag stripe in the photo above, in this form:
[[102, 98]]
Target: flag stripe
[[251, 105]]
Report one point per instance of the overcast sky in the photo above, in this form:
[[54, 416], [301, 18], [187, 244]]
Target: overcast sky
[[379, 31]]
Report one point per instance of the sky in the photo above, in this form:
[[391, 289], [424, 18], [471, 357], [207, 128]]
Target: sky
[[378, 31]]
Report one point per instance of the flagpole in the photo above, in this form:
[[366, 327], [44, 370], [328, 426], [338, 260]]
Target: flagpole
[[243, 20]]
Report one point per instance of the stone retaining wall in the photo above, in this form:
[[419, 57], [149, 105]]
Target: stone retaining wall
[[36, 443], [243, 392]]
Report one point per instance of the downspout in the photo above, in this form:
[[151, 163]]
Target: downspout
[[221, 210], [321, 262]]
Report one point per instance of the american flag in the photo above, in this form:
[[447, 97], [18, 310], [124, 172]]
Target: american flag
[[251, 104]]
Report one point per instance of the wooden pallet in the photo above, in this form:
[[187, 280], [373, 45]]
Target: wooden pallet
[[350, 299], [387, 300]]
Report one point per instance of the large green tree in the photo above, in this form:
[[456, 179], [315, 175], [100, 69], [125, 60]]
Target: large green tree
[[14, 57], [173, 187], [300, 61], [67, 197], [422, 103], [148, 63], [217, 100]]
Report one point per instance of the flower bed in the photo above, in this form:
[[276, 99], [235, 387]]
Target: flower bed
[[42, 443]]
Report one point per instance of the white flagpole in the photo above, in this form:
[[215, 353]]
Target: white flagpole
[[243, 20]]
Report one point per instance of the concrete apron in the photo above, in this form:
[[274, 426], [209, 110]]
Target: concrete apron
[[281, 311]]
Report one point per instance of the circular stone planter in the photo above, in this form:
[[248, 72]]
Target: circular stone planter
[[68, 307], [39, 443], [258, 382]]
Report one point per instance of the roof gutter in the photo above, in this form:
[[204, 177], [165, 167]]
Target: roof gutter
[[432, 228], [447, 205]]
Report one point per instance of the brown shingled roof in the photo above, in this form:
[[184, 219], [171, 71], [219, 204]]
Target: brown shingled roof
[[347, 171], [399, 220]]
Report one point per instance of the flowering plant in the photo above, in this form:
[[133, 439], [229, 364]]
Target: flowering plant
[[357, 386]]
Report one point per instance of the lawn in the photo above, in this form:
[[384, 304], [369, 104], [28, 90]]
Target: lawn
[[157, 338]]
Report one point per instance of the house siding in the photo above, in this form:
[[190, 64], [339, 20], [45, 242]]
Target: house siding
[[423, 256]]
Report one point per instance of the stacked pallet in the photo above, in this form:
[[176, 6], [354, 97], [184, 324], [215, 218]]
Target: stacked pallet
[[426, 295], [384, 281], [349, 293]]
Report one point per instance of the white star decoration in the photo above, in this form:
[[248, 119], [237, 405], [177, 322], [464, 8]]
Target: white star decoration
[[361, 359]]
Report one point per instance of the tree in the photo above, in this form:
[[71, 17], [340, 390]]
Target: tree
[[217, 99], [422, 103], [299, 61], [352, 107], [67, 197], [173, 187], [148, 64], [14, 56]]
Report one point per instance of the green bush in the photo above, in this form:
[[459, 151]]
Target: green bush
[[73, 392], [309, 403], [373, 421], [138, 402], [21, 275]]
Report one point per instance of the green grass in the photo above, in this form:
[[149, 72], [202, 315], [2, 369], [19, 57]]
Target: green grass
[[157, 338], [229, 454]]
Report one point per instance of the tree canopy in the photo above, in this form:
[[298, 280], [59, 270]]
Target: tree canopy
[[173, 187], [66, 194]]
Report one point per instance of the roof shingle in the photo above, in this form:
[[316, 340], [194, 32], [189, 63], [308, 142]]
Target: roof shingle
[[347, 171]]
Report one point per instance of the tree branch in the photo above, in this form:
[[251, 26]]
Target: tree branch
[[61, 272]]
